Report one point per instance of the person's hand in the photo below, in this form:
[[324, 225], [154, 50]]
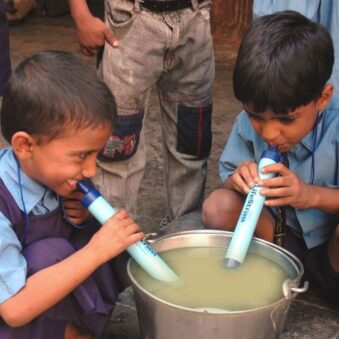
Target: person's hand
[[74, 210], [285, 189], [245, 176], [92, 34], [119, 232]]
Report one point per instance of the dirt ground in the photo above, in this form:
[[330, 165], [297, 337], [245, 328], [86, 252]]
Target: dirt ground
[[310, 316]]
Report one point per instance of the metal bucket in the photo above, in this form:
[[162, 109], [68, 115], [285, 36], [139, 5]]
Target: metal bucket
[[159, 319]]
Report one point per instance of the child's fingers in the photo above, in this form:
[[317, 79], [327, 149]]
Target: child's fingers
[[110, 38], [287, 180], [76, 213], [75, 195], [254, 176], [277, 168], [121, 220], [274, 182], [120, 215], [273, 202], [137, 236], [245, 176], [279, 192], [72, 204], [132, 228], [77, 221]]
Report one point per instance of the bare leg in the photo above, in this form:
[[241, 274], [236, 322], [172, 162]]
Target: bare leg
[[73, 331], [222, 208]]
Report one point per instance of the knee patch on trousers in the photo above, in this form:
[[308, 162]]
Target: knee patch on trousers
[[124, 140], [194, 130]]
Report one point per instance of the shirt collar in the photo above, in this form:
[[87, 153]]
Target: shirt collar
[[311, 139], [32, 191]]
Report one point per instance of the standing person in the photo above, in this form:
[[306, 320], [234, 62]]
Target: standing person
[[162, 43], [324, 12], [281, 77], [60, 272], [5, 64]]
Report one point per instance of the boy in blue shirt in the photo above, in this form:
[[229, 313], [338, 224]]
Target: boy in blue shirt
[[280, 76], [57, 279]]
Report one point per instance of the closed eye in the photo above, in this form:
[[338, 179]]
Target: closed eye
[[82, 155], [287, 120]]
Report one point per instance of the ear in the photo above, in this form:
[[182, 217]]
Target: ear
[[22, 144], [325, 97]]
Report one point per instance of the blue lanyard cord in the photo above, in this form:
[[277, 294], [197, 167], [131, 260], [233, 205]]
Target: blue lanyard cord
[[91, 222], [23, 204], [315, 145], [43, 201]]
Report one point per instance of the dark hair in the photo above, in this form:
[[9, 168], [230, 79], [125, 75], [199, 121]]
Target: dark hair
[[284, 62], [50, 90]]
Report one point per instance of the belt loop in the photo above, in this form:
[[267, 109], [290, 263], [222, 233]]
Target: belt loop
[[137, 5], [195, 4]]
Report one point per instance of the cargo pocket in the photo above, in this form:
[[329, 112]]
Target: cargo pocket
[[194, 130], [124, 141]]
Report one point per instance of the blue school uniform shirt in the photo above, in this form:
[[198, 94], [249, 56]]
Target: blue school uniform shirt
[[314, 225], [39, 200]]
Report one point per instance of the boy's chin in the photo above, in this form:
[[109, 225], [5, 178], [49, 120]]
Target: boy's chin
[[64, 190], [285, 148]]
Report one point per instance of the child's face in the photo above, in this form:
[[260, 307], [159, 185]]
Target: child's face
[[286, 130], [61, 162]]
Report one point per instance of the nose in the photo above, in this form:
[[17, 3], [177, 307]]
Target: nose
[[270, 131], [89, 167]]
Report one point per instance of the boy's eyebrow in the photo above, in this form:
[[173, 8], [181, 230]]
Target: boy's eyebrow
[[87, 151]]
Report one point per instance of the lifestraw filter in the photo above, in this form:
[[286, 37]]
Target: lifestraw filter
[[250, 214], [141, 251]]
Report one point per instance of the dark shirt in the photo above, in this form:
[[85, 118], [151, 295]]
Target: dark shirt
[[5, 64]]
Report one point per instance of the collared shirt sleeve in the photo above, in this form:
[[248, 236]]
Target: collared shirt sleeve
[[239, 147], [13, 267]]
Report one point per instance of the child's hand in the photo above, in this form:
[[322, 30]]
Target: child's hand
[[285, 189], [92, 34], [245, 176], [119, 232], [76, 212]]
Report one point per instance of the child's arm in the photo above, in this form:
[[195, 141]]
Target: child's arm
[[50, 285], [289, 189], [92, 31]]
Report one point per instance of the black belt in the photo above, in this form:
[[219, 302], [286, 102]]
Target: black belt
[[166, 6]]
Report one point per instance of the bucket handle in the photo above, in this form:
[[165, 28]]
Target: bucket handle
[[290, 290]]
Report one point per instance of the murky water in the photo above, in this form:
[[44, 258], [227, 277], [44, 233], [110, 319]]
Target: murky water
[[207, 283]]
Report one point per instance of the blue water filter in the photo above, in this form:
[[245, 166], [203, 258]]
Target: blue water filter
[[141, 251], [250, 214]]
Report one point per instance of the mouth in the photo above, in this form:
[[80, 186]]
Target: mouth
[[72, 184], [281, 147]]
